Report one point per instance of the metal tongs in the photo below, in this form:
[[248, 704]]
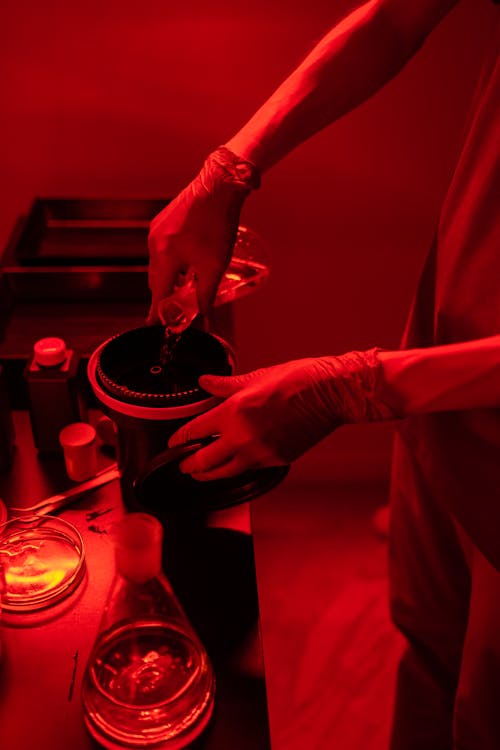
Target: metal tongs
[[61, 500]]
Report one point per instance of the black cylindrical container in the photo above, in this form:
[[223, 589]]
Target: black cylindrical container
[[148, 403]]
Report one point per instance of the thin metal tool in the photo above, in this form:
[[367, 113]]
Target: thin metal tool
[[61, 500]]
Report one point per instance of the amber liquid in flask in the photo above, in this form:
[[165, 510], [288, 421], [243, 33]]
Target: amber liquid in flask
[[149, 682]]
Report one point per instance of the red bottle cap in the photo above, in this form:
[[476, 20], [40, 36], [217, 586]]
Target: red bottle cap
[[50, 352]]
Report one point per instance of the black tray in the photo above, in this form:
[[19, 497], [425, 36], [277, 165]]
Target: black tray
[[77, 269], [83, 325], [81, 249]]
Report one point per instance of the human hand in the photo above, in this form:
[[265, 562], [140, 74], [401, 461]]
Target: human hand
[[195, 233], [273, 415]]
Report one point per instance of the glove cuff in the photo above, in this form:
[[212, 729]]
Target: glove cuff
[[353, 389], [224, 167]]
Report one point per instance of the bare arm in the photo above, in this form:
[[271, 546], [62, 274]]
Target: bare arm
[[355, 59], [196, 231], [442, 378], [272, 416]]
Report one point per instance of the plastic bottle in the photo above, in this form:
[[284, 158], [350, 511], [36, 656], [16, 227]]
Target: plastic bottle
[[54, 392], [148, 682]]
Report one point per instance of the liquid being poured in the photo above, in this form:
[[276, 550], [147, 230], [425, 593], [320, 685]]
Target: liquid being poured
[[170, 341], [178, 311]]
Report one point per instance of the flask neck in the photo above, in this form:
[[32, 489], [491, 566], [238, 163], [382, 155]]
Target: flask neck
[[139, 590], [138, 548]]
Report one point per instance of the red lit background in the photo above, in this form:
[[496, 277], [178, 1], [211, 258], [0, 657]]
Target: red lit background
[[126, 98], [118, 99]]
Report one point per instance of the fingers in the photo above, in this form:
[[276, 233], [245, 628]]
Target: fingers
[[152, 317], [201, 427], [218, 385], [206, 289], [206, 459], [161, 283], [231, 468], [224, 387]]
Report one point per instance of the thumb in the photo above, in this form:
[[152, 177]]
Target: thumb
[[224, 387], [162, 286]]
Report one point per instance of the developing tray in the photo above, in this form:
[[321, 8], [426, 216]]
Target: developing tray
[[81, 249], [77, 269], [73, 268]]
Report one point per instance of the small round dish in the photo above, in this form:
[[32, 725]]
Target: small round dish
[[42, 561]]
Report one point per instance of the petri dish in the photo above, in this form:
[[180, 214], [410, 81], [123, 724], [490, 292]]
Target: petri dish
[[42, 561]]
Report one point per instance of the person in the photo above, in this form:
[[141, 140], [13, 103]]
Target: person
[[442, 386]]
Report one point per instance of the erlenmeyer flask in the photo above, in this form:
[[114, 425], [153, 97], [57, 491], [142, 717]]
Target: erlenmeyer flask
[[148, 682]]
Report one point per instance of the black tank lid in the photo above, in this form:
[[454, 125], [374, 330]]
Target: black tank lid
[[163, 489]]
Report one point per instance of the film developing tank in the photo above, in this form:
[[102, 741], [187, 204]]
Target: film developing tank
[[148, 402]]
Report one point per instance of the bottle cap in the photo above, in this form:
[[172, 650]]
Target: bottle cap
[[138, 539], [107, 431], [79, 448], [50, 352]]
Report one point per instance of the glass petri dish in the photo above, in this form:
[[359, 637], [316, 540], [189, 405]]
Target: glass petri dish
[[42, 561]]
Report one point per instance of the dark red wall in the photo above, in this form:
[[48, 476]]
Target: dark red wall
[[126, 98]]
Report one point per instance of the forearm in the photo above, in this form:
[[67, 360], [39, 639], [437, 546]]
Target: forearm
[[355, 59], [442, 378]]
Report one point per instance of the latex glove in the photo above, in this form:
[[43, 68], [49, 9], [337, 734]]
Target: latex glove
[[195, 233], [272, 416]]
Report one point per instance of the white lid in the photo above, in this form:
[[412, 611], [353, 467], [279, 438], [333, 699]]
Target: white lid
[[77, 434], [78, 442], [160, 413], [138, 540], [50, 352]]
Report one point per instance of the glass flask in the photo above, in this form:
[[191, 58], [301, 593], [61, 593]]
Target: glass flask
[[148, 681], [249, 267]]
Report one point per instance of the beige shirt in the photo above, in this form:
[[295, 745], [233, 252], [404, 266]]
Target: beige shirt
[[455, 456]]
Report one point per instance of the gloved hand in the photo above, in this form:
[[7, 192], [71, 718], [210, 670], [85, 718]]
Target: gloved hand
[[195, 233], [272, 416]]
